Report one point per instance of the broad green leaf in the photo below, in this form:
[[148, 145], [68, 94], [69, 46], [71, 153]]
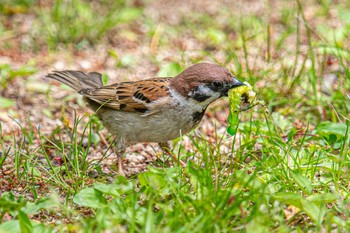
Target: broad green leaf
[[289, 198], [6, 103], [124, 185], [313, 211], [10, 227], [257, 225], [331, 130], [13, 226], [252, 182], [9, 202], [302, 182], [153, 180], [323, 198], [90, 197], [339, 221], [41, 228], [24, 222], [47, 203], [109, 189], [196, 181]]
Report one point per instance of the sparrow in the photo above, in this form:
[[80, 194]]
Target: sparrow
[[151, 110]]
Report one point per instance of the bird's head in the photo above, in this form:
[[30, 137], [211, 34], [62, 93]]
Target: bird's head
[[204, 83]]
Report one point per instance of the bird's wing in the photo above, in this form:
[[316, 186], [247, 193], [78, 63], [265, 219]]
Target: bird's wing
[[130, 96]]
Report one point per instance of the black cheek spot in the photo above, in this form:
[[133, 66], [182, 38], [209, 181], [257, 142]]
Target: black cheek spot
[[200, 97], [122, 106], [197, 116]]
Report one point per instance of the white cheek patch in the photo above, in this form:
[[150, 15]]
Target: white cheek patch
[[198, 100], [204, 95], [204, 90]]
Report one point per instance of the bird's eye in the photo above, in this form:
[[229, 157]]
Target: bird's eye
[[217, 84]]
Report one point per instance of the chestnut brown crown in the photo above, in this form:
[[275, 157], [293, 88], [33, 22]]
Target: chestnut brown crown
[[204, 74]]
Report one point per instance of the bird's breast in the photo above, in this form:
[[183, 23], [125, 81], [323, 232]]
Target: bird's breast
[[164, 125]]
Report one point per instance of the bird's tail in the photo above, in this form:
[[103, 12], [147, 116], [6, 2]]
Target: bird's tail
[[77, 80]]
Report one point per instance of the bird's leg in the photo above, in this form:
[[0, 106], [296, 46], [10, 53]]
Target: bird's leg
[[166, 149], [120, 154], [120, 150]]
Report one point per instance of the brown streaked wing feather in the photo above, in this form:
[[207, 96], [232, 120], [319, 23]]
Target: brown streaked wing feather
[[129, 96]]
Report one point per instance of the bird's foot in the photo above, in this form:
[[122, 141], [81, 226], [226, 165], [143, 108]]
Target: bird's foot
[[120, 166]]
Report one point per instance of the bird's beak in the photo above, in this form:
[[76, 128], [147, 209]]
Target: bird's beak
[[235, 83]]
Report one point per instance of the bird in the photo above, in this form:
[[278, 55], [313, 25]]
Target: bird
[[151, 110]]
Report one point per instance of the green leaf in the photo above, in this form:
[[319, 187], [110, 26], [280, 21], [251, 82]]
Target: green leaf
[[10, 227], [41, 228], [126, 60], [324, 198], [47, 203], [302, 182], [332, 131], [332, 50], [129, 14], [170, 70], [105, 79], [233, 117], [233, 121], [344, 15], [24, 222], [8, 202], [313, 211], [153, 180], [252, 182], [23, 71], [6, 103], [281, 121], [90, 197], [216, 36], [36, 86], [109, 189], [94, 138], [257, 225], [13, 226], [289, 198]]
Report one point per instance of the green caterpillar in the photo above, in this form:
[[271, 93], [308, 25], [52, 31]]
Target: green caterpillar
[[242, 94]]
